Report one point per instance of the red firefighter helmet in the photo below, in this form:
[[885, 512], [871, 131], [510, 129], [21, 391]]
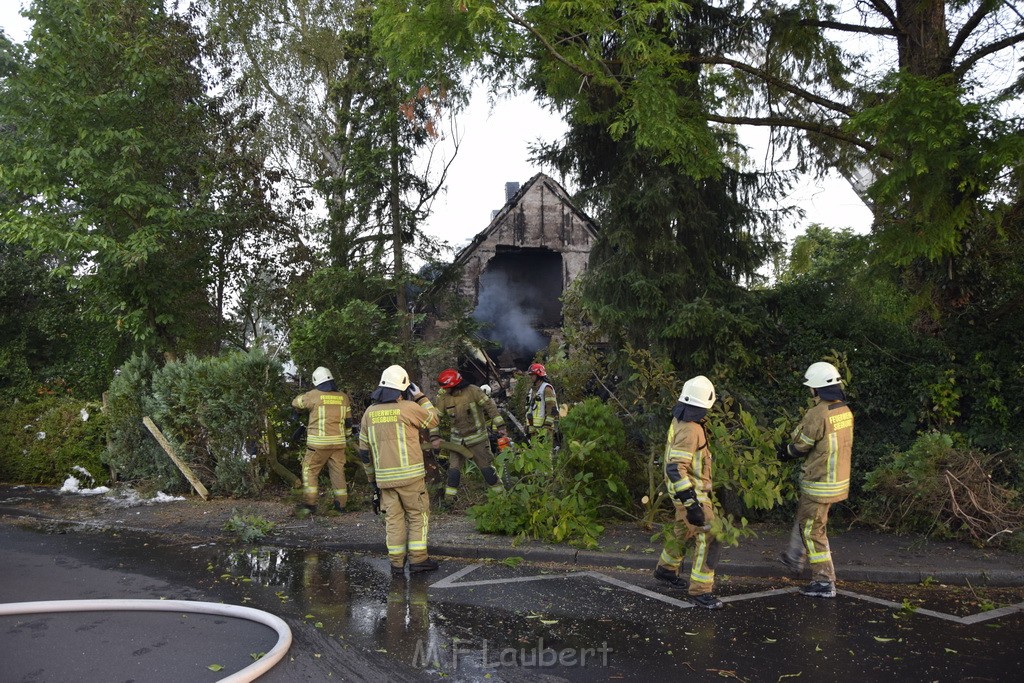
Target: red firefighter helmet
[[538, 370], [449, 378]]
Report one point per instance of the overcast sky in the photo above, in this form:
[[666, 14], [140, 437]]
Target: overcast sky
[[494, 150]]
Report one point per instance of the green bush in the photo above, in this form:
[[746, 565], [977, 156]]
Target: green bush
[[216, 408], [67, 440], [347, 323], [212, 410], [133, 453]]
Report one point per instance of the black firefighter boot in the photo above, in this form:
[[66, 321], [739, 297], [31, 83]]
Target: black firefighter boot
[[670, 577], [426, 565]]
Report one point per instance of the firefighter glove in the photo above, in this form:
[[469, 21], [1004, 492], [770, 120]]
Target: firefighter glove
[[695, 514], [784, 453], [694, 511], [376, 499]]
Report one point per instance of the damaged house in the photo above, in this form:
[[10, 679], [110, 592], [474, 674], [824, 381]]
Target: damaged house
[[516, 270]]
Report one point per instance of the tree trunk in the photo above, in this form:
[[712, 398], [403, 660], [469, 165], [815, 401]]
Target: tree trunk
[[924, 41], [396, 227], [270, 442]]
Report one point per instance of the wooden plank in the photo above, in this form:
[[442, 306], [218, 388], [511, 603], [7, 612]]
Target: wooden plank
[[185, 469]]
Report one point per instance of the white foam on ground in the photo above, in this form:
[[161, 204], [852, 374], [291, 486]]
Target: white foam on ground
[[72, 485]]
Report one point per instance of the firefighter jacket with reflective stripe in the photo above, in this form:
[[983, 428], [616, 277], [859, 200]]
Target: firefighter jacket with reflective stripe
[[542, 407], [469, 412], [825, 437], [688, 460], [329, 411], [391, 433]]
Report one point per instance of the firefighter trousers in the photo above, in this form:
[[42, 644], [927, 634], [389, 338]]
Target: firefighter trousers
[[705, 550], [406, 522], [483, 458], [313, 463], [809, 541]]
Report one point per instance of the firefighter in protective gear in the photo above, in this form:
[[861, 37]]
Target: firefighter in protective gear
[[389, 447], [542, 404], [330, 417], [824, 438], [688, 479], [471, 415]]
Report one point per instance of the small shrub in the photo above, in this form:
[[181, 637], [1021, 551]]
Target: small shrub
[[250, 527], [212, 410], [133, 454]]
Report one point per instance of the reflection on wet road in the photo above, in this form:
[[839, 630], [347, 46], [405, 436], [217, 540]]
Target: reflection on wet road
[[471, 620], [501, 622]]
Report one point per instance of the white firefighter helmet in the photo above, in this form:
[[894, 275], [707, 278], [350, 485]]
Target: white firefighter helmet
[[821, 374], [321, 375], [698, 391], [395, 377], [486, 388]]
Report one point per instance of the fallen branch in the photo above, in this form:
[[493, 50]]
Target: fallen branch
[[185, 469]]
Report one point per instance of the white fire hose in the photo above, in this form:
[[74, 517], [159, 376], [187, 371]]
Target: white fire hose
[[249, 673]]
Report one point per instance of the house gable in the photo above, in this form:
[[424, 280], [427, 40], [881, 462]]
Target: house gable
[[539, 219]]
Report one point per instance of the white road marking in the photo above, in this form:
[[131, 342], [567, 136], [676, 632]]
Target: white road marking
[[682, 604], [452, 581]]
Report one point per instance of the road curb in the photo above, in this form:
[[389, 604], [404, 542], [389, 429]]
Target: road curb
[[472, 550]]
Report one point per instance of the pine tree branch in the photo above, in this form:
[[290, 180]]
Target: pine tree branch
[[772, 79], [965, 31], [883, 8], [991, 48], [850, 28], [809, 126]]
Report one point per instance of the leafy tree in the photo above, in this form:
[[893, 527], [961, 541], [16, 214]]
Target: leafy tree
[[349, 325], [892, 95], [47, 346], [340, 128], [107, 130]]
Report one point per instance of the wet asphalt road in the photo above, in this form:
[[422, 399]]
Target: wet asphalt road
[[466, 622]]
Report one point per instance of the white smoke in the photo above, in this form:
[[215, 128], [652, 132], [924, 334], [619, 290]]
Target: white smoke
[[507, 311]]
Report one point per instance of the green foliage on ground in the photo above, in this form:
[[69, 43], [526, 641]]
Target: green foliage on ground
[[549, 499], [594, 422], [42, 441], [942, 487]]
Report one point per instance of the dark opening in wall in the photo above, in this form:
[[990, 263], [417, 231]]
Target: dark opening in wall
[[519, 296]]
